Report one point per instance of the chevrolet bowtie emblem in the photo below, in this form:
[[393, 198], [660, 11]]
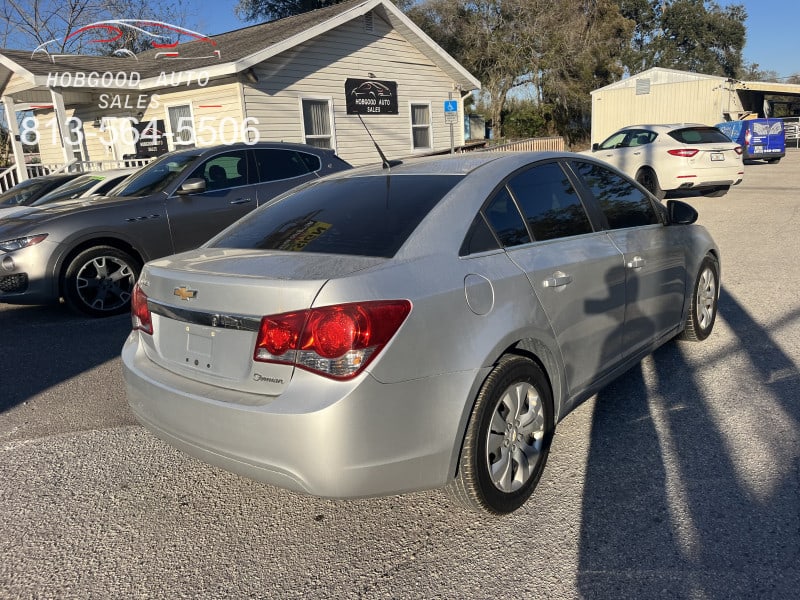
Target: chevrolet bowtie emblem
[[184, 293]]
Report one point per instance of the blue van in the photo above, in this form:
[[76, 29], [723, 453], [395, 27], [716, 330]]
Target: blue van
[[763, 139]]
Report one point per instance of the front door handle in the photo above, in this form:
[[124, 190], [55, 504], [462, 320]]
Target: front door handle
[[637, 262], [241, 201], [557, 279]]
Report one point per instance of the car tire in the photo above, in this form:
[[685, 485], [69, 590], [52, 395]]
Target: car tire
[[773, 161], [649, 180], [510, 429], [98, 282], [703, 306], [716, 192]]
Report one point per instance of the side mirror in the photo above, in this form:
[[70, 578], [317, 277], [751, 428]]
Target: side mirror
[[595, 147], [195, 185], [681, 213]]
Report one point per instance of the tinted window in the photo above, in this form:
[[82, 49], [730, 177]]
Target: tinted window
[[24, 193], [623, 204], [223, 171], [549, 203], [312, 162], [73, 189], [503, 215], [103, 189], [479, 238], [366, 216], [276, 164], [699, 135]]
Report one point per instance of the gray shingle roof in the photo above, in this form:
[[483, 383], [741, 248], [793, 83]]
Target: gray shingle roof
[[233, 46]]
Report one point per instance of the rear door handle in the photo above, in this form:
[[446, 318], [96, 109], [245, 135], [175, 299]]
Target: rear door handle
[[558, 279], [637, 262], [241, 201]]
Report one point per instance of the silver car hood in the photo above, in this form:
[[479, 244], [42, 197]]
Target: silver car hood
[[207, 305]]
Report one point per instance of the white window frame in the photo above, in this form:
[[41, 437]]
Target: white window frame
[[168, 126], [412, 127], [329, 101]]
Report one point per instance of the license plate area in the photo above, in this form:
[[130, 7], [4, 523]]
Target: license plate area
[[216, 352], [717, 156]]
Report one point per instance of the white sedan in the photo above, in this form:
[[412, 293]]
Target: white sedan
[[675, 157]]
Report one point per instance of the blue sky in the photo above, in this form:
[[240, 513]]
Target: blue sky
[[773, 29]]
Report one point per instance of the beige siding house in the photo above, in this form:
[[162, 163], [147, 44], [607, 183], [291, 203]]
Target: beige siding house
[[296, 80], [660, 95]]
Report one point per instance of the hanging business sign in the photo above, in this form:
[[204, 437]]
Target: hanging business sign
[[151, 139], [370, 97]]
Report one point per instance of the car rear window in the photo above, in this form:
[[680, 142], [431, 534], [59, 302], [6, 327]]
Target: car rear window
[[364, 216], [699, 135]]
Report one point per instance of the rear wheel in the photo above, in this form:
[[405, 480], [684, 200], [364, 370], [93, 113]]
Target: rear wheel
[[99, 281], [774, 160], [703, 308], [508, 438], [649, 180]]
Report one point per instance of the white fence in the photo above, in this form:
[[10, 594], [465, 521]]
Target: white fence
[[555, 144], [9, 177]]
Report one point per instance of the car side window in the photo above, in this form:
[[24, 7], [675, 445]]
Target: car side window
[[503, 215], [615, 141], [223, 171], [274, 164], [312, 162], [640, 138], [550, 203], [622, 203], [479, 238]]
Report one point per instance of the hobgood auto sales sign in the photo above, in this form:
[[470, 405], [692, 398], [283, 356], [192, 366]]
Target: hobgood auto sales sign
[[370, 97]]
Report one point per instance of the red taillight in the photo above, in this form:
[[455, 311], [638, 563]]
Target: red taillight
[[336, 341], [747, 135], [684, 152], [140, 313], [738, 150]]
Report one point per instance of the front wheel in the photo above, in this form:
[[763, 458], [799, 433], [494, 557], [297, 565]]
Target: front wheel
[[703, 308], [649, 180], [508, 438], [99, 281]]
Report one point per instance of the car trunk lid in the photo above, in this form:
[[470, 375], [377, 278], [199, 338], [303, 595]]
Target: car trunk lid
[[207, 306]]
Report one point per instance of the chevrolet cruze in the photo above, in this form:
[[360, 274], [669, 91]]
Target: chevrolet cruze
[[386, 330]]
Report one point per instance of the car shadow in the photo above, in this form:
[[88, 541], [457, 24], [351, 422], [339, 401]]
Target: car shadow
[[43, 346], [691, 487]]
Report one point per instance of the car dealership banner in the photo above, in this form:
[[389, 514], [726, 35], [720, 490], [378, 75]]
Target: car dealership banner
[[370, 97]]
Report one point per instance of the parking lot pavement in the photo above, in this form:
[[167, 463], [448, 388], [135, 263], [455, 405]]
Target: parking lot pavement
[[680, 480]]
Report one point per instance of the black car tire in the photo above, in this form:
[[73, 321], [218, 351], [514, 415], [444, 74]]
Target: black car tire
[[473, 485], [703, 306], [98, 282], [772, 161], [649, 180]]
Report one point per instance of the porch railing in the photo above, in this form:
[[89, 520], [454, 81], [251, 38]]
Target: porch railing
[[9, 177]]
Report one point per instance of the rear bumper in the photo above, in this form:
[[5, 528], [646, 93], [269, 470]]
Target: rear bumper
[[326, 438], [703, 179]]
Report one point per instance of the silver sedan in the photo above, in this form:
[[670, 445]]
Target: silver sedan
[[388, 330]]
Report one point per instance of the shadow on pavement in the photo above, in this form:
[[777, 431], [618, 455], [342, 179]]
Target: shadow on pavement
[[43, 346], [691, 489]]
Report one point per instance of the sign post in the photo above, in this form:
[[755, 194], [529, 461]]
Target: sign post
[[451, 118]]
